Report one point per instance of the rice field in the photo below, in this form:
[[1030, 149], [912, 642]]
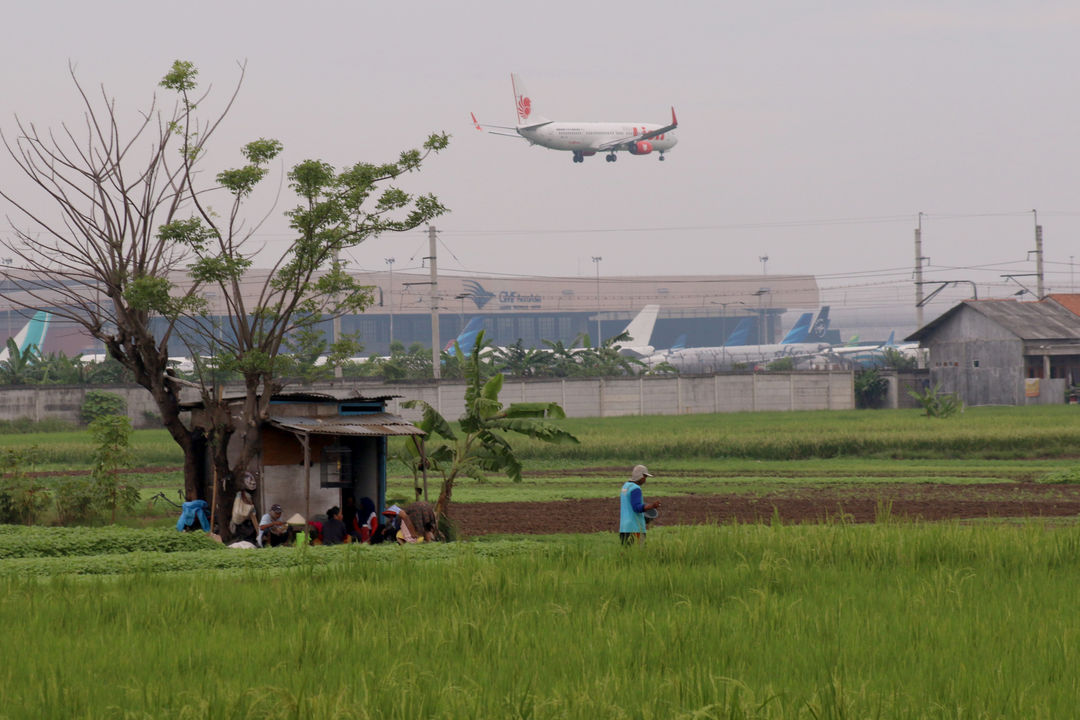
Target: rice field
[[893, 620]]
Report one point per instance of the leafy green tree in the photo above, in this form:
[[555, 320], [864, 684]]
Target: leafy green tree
[[27, 497], [480, 447], [112, 434], [898, 361], [562, 360], [519, 361], [99, 403], [109, 254], [870, 389]]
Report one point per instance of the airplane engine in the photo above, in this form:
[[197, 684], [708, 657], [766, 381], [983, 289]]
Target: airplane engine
[[643, 147]]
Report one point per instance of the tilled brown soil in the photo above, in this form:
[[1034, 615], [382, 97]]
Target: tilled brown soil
[[859, 503]]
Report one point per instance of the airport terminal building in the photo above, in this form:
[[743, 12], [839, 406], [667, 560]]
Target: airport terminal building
[[704, 308]]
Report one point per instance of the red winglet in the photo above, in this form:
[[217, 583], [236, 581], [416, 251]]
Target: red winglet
[[673, 120], [477, 124]]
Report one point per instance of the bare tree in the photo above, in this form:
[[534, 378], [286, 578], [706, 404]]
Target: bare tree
[[129, 237]]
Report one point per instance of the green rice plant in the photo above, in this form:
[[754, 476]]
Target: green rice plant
[[1065, 476], [895, 620], [38, 542]]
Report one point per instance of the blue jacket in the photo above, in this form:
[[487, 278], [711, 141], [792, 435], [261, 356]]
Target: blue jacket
[[631, 509], [192, 510]]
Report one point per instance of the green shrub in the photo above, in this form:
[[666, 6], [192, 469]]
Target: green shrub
[[99, 403], [936, 403], [870, 389], [75, 499]]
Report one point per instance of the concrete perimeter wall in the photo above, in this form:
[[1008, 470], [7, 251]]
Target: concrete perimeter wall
[[580, 397], [613, 397]]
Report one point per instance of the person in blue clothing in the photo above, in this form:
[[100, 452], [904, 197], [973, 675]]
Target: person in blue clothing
[[632, 507]]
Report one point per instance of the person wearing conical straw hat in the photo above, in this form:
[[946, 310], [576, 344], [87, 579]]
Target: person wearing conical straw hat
[[632, 507]]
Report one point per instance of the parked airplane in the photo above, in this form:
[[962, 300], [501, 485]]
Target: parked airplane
[[32, 334], [865, 357], [710, 359], [639, 329], [584, 139]]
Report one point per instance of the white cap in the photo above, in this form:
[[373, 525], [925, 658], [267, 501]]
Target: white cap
[[639, 472]]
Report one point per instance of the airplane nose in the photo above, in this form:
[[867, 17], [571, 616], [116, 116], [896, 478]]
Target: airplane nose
[[674, 141]]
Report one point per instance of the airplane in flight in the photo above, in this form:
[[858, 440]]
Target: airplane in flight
[[584, 139]]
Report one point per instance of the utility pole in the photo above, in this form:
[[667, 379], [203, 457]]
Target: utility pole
[[764, 262], [1038, 255], [918, 275], [338, 372], [596, 261], [436, 346], [390, 262]]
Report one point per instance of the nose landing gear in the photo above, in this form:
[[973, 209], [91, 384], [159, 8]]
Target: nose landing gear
[[578, 157]]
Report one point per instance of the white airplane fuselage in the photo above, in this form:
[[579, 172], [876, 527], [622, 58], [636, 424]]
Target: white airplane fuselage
[[588, 137]]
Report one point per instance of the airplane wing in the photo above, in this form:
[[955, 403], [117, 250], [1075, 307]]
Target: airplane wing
[[515, 134], [611, 145]]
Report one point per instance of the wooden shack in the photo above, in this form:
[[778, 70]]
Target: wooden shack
[[319, 448]]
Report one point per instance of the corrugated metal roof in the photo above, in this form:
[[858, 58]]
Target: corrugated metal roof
[[372, 425], [1027, 320], [299, 396]]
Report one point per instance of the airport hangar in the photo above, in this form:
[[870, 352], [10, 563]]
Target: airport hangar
[[706, 308]]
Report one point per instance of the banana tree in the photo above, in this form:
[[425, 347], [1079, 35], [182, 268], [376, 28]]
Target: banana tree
[[480, 447]]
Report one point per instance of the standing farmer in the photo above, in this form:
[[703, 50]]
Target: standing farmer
[[632, 507]]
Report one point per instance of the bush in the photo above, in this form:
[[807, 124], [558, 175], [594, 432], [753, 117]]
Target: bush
[[75, 499], [870, 389], [937, 403], [99, 403]]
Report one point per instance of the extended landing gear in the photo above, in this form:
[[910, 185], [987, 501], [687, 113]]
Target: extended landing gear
[[610, 157], [661, 157], [578, 157]]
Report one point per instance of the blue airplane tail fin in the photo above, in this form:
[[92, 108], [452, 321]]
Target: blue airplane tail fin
[[680, 343], [821, 326], [741, 333], [799, 331], [466, 339]]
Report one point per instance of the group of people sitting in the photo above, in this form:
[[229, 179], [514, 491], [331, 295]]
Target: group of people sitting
[[356, 523]]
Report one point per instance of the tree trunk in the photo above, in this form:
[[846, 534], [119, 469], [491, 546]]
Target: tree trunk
[[443, 503]]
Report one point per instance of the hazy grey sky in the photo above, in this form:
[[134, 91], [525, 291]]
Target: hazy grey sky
[[811, 135]]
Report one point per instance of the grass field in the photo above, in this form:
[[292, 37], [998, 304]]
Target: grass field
[[891, 620], [991, 433], [830, 621]]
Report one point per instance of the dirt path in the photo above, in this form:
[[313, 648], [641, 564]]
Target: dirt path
[[860, 504]]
